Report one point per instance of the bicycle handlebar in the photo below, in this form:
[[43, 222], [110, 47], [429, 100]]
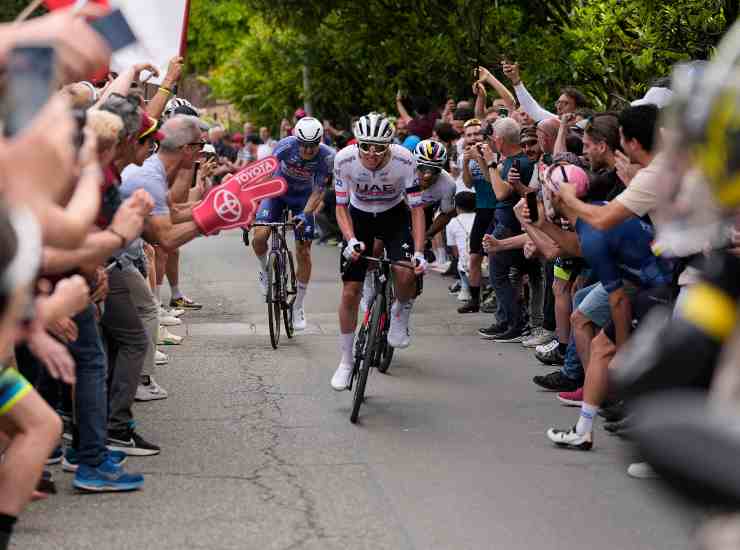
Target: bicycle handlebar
[[273, 224]]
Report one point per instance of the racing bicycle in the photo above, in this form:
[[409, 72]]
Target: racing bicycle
[[281, 281]]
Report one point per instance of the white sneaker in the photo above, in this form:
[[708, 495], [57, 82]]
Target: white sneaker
[[398, 333], [341, 377], [169, 321], [539, 337], [172, 312], [166, 338], [299, 319], [150, 392], [546, 348], [440, 267], [161, 358], [642, 470], [463, 295], [262, 278]]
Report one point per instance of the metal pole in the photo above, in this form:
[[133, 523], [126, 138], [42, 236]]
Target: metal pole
[[307, 106]]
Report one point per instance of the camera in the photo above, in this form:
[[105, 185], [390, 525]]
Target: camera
[[503, 112]]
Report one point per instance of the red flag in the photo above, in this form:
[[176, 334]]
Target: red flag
[[56, 4]]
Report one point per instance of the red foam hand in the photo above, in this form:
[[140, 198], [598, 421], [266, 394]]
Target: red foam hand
[[256, 171], [233, 205]]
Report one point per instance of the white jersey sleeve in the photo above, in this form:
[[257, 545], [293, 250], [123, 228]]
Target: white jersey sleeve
[[442, 192]]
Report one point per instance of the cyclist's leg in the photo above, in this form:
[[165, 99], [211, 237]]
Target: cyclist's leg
[[34, 429], [304, 238], [270, 211], [400, 247]]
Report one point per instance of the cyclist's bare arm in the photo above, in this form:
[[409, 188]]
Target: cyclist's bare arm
[[345, 222]]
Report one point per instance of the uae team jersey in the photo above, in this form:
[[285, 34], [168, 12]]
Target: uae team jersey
[[302, 176], [379, 190], [441, 192]]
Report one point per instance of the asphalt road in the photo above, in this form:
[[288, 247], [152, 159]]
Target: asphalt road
[[258, 451]]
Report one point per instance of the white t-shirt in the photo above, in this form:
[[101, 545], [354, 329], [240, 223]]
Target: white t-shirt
[[379, 190], [264, 151], [458, 234]]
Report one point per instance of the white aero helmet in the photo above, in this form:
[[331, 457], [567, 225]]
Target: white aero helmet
[[374, 128], [309, 130]]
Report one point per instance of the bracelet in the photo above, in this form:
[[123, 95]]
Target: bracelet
[[166, 90], [117, 234]]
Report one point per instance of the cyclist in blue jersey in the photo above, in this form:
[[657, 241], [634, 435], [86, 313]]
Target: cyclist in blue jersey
[[306, 164]]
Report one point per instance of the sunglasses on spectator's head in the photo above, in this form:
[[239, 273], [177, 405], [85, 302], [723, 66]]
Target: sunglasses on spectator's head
[[425, 169], [375, 148]]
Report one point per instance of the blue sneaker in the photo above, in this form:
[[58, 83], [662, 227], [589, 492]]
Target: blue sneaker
[[106, 477], [70, 462], [56, 456]]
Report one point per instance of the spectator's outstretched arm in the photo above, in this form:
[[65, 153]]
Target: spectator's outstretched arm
[[166, 90], [122, 84], [560, 141], [528, 103], [502, 91], [601, 217], [479, 90], [403, 114]]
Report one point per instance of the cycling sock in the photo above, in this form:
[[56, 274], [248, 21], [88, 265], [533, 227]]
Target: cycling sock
[[175, 293], [346, 342], [474, 294], [263, 262], [6, 530], [440, 255], [586, 420], [302, 287]]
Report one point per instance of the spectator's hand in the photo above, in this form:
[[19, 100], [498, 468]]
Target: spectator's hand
[[53, 355], [483, 76], [468, 153], [88, 156], [479, 88], [399, 95], [354, 249], [174, 72], [564, 196], [74, 294], [567, 120], [450, 106], [100, 291], [141, 67], [625, 169], [65, 329], [513, 178], [486, 153], [490, 244], [511, 70], [530, 250], [129, 218], [80, 50]]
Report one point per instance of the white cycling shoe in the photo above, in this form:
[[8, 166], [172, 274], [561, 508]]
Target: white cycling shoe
[[299, 319], [398, 333], [341, 377]]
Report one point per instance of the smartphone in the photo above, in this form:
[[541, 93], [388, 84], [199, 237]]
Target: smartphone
[[30, 78], [114, 29], [516, 165], [534, 214]]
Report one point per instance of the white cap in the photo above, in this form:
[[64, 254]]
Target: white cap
[[208, 149], [659, 97]]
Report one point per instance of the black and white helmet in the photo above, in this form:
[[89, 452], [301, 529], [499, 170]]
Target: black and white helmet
[[374, 128], [309, 130], [178, 105]]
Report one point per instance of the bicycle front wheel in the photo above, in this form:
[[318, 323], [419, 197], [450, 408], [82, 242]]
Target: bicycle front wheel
[[367, 357], [289, 290], [274, 278], [385, 351]]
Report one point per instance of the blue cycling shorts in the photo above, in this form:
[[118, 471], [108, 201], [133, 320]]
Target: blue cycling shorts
[[271, 211]]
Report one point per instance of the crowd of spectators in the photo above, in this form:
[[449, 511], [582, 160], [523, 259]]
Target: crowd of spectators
[[551, 236]]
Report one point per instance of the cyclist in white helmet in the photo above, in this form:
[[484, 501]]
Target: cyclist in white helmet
[[373, 180], [306, 165]]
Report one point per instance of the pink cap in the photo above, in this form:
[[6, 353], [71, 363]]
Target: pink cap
[[568, 173]]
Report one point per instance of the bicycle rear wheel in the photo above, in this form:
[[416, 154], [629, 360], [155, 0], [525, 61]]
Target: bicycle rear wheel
[[289, 292], [274, 297], [366, 358]]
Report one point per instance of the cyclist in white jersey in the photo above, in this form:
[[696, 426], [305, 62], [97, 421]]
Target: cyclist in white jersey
[[373, 180]]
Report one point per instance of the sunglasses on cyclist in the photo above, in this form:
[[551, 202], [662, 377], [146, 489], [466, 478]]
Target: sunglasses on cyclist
[[433, 170], [374, 148], [306, 145]]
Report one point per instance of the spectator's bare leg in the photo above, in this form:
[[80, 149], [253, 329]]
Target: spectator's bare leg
[[172, 270], [563, 304], [583, 332], [161, 267]]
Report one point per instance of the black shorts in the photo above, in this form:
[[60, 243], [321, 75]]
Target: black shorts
[[484, 217], [393, 227]]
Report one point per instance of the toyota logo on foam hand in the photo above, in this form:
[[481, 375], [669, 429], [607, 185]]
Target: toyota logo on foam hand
[[227, 206], [257, 170]]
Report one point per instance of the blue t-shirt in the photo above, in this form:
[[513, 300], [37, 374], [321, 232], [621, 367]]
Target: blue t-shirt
[[484, 195], [303, 176], [411, 142], [525, 175], [623, 252]]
